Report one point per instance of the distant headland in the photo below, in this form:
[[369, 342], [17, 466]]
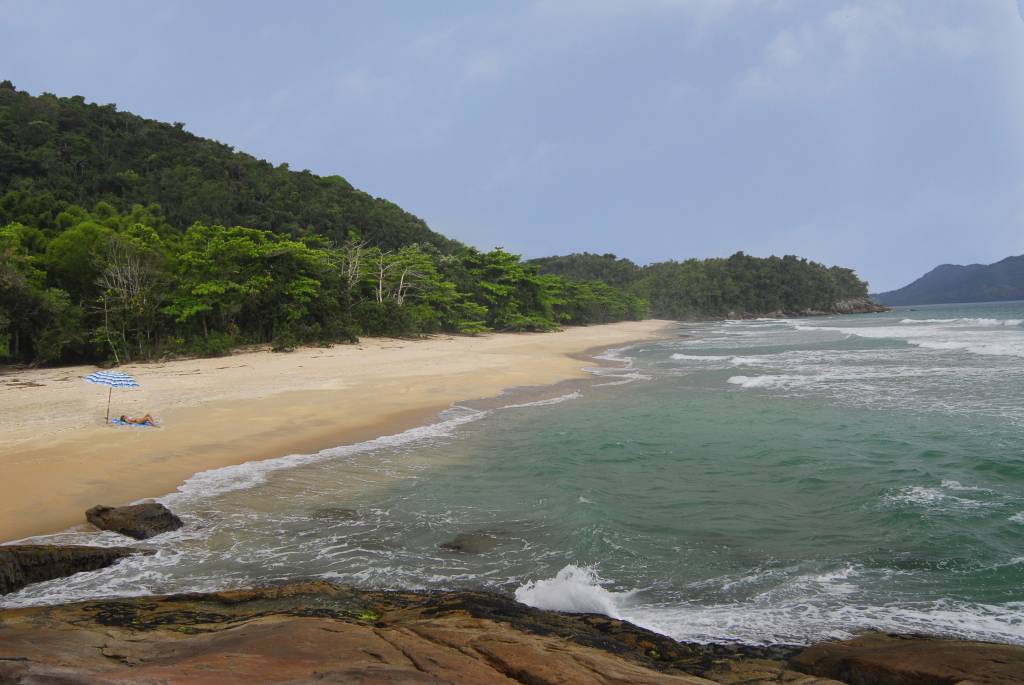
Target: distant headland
[[953, 283]]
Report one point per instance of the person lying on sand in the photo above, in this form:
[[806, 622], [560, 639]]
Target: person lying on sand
[[146, 420]]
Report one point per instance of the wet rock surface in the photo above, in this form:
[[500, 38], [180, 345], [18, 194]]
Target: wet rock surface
[[335, 514], [21, 565], [319, 632], [139, 521], [479, 542]]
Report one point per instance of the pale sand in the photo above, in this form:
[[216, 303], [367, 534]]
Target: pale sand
[[58, 458]]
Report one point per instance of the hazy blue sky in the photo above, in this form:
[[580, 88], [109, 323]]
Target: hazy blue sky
[[886, 136]]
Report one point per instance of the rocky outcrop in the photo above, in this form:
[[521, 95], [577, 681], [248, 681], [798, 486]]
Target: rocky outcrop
[[881, 659], [139, 521], [335, 514], [860, 305], [318, 632], [479, 542], [24, 564]]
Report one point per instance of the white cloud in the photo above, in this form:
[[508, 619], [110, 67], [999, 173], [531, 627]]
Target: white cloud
[[484, 66], [357, 85], [821, 56]]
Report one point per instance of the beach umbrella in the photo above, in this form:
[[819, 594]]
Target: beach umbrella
[[111, 379]]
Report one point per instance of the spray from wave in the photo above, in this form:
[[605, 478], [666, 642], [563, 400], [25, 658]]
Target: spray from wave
[[575, 590]]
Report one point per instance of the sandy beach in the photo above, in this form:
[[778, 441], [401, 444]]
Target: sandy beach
[[59, 457]]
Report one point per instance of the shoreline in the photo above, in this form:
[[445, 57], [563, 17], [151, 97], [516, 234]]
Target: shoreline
[[305, 630], [60, 458]]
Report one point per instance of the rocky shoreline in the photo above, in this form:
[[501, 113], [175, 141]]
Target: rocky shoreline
[[21, 565], [318, 632], [860, 305]]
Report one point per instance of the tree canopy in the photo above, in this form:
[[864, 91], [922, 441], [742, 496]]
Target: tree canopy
[[62, 151], [740, 285], [102, 284], [124, 238]]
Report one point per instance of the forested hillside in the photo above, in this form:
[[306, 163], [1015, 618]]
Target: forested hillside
[[740, 285], [123, 238], [60, 151], [950, 283]]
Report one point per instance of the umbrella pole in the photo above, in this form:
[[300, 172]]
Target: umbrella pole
[[108, 403]]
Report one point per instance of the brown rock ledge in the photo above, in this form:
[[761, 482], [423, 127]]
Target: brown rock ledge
[[21, 565], [882, 659], [318, 632]]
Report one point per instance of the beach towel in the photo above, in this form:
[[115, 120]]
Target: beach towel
[[119, 422]]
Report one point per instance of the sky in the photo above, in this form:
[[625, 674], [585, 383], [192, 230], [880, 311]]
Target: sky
[[880, 135]]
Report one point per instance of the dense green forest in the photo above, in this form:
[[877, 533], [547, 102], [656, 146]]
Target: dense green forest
[[123, 238], [105, 284], [739, 285], [56, 152]]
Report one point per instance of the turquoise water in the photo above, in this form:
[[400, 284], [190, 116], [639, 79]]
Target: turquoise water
[[762, 481]]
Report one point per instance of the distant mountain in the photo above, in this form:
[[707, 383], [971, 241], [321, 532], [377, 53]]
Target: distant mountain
[[949, 283]]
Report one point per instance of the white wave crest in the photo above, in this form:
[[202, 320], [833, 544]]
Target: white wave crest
[[979, 322], [574, 589], [747, 361], [765, 381], [1008, 349], [252, 473], [933, 499], [811, 607], [1003, 343], [615, 354], [621, 375], [575, 395], [732, 360], [957, 485], [805, 619]]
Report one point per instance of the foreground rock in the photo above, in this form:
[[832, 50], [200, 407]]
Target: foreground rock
[[880, 659], [139, 521], [24, 564], [317, 632]]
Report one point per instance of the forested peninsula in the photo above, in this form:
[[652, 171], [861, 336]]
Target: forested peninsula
[[124, 238]]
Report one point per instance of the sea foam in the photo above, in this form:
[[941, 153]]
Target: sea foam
[[766, 381], [1003, 343], [574, 589], [978, 322], [252, 473], [808, 607]]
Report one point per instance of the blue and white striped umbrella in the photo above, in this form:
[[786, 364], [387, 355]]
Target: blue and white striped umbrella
[[114, 379], [111, 379]]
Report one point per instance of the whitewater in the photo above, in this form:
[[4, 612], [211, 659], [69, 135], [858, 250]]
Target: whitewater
[[764, 481]]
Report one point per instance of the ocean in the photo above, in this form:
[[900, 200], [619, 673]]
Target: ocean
[[768, 481]]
